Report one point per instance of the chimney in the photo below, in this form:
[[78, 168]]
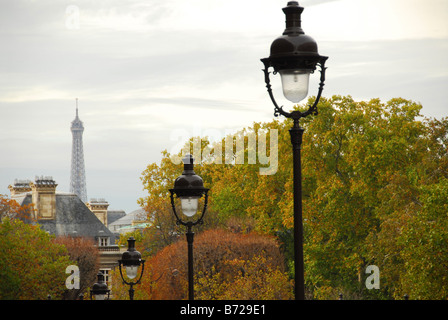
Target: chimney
[[19, 187], [44, 197], [99, 208]]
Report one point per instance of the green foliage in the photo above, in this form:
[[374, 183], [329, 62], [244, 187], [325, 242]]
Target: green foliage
[[425, 246], [32, 266], [374, 192], [370, 165], [253, 279]]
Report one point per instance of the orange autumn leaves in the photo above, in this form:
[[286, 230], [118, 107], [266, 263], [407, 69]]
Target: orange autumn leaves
[[367, 168], [227, 266]]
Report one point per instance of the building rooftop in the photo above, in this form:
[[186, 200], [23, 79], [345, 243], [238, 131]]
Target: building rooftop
[[72, 218], [136, 219], [114, 215]]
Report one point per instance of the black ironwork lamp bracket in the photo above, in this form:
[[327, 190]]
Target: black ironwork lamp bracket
[[189, 224], [296, 115]]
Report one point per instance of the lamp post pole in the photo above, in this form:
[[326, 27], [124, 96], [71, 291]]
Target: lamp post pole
[[100, 290], [295, 56], [190, 239], [189, 188], [296, 133], [131, 260]]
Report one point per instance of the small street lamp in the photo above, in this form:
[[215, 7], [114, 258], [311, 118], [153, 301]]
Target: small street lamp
[[100, 290], [131, 260], [189, 188], [294, 55]]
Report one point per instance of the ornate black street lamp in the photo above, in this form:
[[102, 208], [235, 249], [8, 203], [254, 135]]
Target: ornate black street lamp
[[131, 260], [100, 290], [294, 55], [189, 188]]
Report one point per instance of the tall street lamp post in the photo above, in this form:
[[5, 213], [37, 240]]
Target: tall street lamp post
[[100, 290], [189, 188], [294, 55], [131, 260]]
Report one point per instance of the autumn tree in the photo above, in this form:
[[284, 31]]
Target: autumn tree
[[424, 242], [32, 266], [157, 179], [244, 279], [11, 209], [222, 259], [374, 178], [86, 256], [366, 165]]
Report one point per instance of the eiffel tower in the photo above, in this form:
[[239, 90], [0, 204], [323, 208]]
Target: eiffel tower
[[78, 174]]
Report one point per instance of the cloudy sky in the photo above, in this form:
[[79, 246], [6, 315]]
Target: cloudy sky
[[147, 72]]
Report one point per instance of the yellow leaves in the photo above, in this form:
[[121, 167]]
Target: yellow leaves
[[32, 265], [250, 279], [227, 265], [363, 166]]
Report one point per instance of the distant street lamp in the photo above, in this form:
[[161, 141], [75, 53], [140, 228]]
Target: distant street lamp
[[294, 55], [189, 188], [131, 260], [100, 290]]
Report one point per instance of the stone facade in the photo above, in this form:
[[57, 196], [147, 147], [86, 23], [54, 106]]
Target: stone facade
[[99, 208], [44, 197], [64, 214]]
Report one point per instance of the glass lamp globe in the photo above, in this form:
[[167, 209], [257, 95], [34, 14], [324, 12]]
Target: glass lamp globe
[[131, 271], [295, 84], [100, 296], [189, 205]]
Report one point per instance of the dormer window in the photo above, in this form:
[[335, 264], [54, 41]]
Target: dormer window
[[103, 241]]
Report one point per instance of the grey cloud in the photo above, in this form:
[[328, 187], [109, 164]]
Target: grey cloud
[[115, 70]]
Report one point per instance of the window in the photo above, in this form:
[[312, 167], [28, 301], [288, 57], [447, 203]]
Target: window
[[106, 273], [103, 241]]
